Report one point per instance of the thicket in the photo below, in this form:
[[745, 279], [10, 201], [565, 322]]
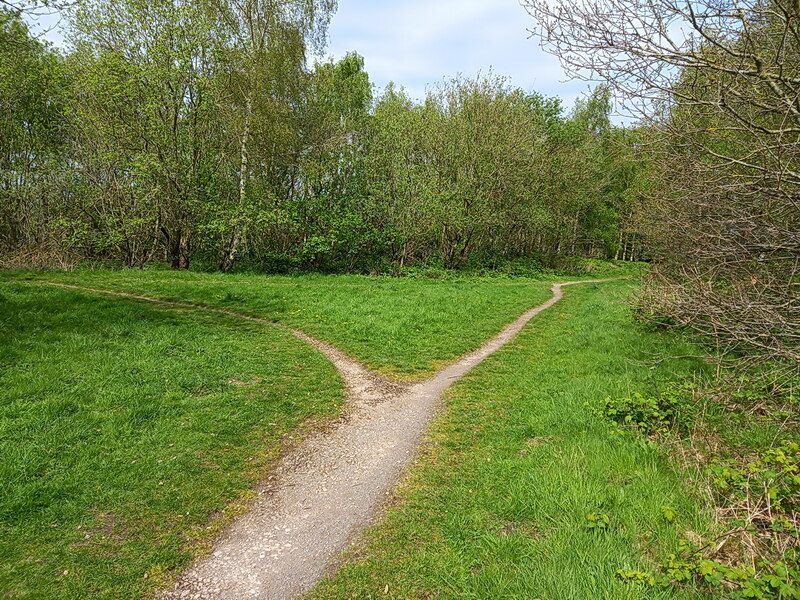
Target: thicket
[[716, 86], [190, 132]]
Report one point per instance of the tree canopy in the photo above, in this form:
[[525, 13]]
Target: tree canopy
[[183, 131]]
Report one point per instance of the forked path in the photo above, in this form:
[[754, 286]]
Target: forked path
[[326, 491]]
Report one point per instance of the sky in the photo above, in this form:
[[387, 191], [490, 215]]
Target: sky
[[418, 43]]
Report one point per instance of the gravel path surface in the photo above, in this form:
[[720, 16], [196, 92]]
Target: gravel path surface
[[332, 485]]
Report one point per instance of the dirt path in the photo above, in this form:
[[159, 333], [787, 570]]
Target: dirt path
[[330, 487]]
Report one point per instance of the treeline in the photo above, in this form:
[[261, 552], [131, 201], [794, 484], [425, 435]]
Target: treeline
[[197, 131]]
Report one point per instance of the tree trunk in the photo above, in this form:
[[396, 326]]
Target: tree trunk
[[228, 258], [184, 251], [179, 248], [574, 245]]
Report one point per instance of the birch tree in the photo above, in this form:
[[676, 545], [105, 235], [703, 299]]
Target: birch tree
[[268, 42]]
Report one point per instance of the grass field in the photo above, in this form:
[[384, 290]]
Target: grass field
[[497, 507], [125, 429], [405, 328], [130, 431]]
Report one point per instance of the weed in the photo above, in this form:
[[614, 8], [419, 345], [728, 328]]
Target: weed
[[691, 569], [650, 415], [598, 521], [773, 476], [759, 497]]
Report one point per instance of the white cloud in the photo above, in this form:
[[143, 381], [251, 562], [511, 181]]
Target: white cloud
[[417, 43]]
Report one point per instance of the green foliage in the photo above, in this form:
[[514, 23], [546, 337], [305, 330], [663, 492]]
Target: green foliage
[[633, 576], [763, 494], [774, 475], [598, 521], [762, 581], [648, 414], [33, 125], [449, 197], [197, 131], [668, 512]]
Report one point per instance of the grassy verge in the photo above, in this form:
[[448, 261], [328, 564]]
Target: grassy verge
[[743, 447], [524, 491], [126, 432], [405, 328]]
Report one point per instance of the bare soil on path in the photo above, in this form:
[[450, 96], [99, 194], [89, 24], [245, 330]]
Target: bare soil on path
[[332, 485]]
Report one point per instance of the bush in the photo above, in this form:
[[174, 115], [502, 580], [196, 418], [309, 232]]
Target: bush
[[650, 415]]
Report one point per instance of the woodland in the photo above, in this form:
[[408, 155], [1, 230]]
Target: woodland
[[201, 132], [205, 133], [212, 138]]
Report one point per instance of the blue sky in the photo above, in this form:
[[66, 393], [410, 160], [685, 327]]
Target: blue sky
[[417, 43]]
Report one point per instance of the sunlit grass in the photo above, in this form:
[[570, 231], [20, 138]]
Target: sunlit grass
[[497, 506], [405, 328], [126, 430]]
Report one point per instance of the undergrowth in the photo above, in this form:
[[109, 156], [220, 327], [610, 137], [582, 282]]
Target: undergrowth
[[755, 489]]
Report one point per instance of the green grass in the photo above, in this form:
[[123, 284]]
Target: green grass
[[497, 505], [129, 431], [405, 328], [126, 430]]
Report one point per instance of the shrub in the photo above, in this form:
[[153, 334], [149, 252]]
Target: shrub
[[650, 415]]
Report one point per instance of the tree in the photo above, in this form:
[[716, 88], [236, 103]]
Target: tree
[[331, 208], [718, 85], [487, 150], [268, 40], [399, 176], [484, 170], [187, 119], [196, 131], [32, 127], [148, 140]]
